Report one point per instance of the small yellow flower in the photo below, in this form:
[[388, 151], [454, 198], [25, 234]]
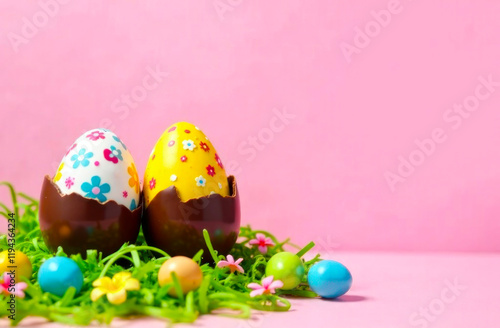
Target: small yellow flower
[[116, 288], [59, 174]]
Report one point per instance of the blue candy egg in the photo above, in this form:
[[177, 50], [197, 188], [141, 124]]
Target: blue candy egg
[[329, 279], [59, 273]]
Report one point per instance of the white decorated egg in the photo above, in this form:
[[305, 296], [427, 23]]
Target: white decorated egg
[[99, 166]]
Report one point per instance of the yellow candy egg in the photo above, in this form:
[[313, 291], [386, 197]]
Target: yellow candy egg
[[188, 273], [184, 157], [21, 263]]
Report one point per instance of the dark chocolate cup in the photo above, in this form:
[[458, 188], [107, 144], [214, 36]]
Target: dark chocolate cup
[[77, 223], [177, 227]]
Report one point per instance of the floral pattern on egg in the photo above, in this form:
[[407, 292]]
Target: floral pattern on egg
[[184, 157], [99, 166]]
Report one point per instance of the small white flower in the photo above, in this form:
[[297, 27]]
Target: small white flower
[[188, 144], [200, 181], [220, 185], [196, 128], [173, 177], [212, 192]]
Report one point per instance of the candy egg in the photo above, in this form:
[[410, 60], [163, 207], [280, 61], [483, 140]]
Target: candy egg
[[329, 279], [19, 262], [186, 190], [286, 267], [59, 273], [188, 273], [94, 199]]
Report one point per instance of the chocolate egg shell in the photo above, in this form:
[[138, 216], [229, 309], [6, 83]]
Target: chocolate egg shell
[[78, 224], [177, 227]]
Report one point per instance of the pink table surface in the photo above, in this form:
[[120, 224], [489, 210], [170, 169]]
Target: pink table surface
[[389, 290]]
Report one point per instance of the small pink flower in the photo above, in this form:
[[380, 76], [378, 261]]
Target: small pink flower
[[95, 135], [171, 143], [172, 129], [219, 161], [262, 241], [5, 284], [210, 170], [152, 183], [69, 182], [233, 265], [184, 158], [125, 194], [269, 286]]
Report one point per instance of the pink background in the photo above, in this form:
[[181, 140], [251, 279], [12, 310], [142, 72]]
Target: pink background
[[322, 176]]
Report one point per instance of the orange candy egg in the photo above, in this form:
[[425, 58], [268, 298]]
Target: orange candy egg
[[188, 273]]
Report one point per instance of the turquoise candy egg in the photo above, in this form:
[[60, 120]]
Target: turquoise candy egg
[[59, 273], [329, 279]]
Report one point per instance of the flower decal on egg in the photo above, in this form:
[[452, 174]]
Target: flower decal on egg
[[152, 183], [219, 161], [113, 154], [134, 178], [96, 135], [69, 182], [184, 158], [200, 181], [82, 158], [120, 141], [95, 189], [59, 174], [188, 144], [210, 170], [204, 146]]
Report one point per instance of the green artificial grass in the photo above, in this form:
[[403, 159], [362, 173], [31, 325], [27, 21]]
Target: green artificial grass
[[221, 292]]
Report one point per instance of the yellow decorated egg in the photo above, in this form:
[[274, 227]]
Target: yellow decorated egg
[[186, 190], [185, 158]]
